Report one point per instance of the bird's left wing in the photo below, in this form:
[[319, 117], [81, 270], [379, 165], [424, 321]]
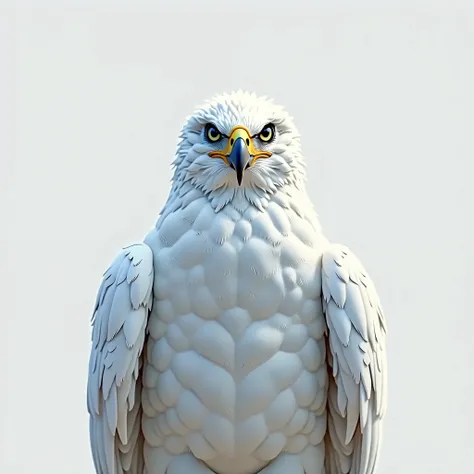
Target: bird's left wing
[[357, 394]]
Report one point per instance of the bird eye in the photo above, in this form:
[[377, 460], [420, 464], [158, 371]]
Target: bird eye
[[212, 134], [267, 133]]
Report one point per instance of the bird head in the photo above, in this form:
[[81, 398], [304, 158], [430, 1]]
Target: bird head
[[239, 143]]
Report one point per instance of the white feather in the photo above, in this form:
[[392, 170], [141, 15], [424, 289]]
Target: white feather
[[357, 344], [122, 307]]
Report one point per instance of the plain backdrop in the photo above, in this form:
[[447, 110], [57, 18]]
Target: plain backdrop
[[92, 99]]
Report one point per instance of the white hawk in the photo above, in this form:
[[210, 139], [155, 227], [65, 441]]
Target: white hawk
[[236, 339]]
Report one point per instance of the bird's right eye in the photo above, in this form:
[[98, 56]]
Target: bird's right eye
[[212, 134]]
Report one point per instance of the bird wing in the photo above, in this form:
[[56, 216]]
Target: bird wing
[[119, 324], [357, 395]]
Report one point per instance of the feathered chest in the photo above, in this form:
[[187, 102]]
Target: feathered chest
[[263, 263], [236, 335]]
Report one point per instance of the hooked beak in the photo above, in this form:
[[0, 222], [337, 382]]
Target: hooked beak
[[239, 158], [240, 152]]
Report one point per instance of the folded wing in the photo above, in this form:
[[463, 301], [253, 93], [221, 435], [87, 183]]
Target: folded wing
[[113, 391], [357, 395]]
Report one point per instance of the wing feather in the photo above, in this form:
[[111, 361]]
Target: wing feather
[[357, 394], [118, 334]]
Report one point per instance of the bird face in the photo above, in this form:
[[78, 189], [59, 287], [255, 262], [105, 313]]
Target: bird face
[[241, 147], [240, 143]]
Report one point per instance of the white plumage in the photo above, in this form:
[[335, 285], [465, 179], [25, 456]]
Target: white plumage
[[236, 339]]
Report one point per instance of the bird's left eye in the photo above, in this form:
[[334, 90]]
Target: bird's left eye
[[212, 134], [267, 133]]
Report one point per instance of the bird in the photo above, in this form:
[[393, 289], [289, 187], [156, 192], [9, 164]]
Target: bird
[[236, 338]]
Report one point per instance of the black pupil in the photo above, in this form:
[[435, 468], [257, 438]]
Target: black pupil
[[213, 133], [266, 133]]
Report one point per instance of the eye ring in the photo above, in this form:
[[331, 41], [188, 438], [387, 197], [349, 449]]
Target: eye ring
[[212, 133], [267, 134]]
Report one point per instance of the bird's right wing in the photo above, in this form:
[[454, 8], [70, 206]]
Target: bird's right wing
[[113, 390]]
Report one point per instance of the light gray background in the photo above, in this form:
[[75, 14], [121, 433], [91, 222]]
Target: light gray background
[[92, 101]]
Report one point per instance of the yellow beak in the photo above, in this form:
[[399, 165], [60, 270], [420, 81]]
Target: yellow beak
[[240, 152]]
